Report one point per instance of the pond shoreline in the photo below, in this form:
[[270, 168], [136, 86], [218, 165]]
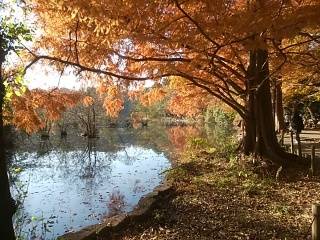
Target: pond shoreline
[[119, 222], [218, 198], [77, 183]]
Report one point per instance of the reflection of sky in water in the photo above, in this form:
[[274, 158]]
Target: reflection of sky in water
[[70, 190]]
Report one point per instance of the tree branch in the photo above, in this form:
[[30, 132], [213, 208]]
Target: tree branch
[[91, 69], [196, 24]]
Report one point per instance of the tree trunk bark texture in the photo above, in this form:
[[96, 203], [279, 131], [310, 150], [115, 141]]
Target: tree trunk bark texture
[[260, 137]]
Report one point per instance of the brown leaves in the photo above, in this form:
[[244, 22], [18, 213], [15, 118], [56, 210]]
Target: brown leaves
[[217, 200]]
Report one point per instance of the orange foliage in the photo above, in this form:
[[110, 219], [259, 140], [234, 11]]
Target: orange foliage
[[202, 42], [34, 107], [88, 101], [186, 101], [113, 106], [113, 98], [151, 96]]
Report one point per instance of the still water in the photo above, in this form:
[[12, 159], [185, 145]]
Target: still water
[[63, 185], [66, 184]]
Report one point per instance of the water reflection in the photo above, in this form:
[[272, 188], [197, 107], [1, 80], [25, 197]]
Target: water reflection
[[116, 203], [179, 136], [64, 184]]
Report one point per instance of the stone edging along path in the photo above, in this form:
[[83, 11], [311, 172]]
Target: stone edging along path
[[121, 221]]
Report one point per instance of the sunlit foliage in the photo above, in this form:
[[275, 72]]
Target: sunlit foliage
[[202, 42], [33, 108]]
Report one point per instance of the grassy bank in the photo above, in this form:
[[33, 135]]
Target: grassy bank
[[217, 197]]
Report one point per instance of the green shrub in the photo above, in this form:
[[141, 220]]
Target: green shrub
[[217, 116]]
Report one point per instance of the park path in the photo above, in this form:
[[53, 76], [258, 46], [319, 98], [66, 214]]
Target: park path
[[308, 138]]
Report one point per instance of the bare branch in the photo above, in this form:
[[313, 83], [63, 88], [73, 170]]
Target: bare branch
[[152, 59]]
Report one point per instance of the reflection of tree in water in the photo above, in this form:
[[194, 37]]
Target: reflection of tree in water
[[154, 136], [38, 227], [110, 140], [19, 190], [179, 135], [138, 187], [116, 203], [89, 161], [84, 163], [45, 147], [88, 164], [219, 137]]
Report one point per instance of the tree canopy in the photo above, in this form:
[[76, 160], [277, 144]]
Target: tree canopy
[[233, 51], [204, 42]]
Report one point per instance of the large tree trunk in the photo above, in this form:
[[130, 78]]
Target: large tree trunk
[[7, 204], [260, 136]]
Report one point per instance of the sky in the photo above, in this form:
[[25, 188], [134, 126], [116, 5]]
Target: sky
[[42, 76], [39, 75], [45, 77]]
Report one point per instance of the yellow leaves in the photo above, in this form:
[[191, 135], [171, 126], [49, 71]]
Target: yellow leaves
[[74, 13], [175, 82]]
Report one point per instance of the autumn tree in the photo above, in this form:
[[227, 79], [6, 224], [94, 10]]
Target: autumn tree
[[11, 33], [87, 111], [300, 81], [18, 106], [230, 49], [35, 110]]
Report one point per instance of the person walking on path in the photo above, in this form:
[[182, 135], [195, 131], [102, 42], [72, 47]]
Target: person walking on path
[[297, 124]]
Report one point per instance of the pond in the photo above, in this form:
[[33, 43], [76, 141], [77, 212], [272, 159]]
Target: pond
[[66, 184], [63, 185]]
